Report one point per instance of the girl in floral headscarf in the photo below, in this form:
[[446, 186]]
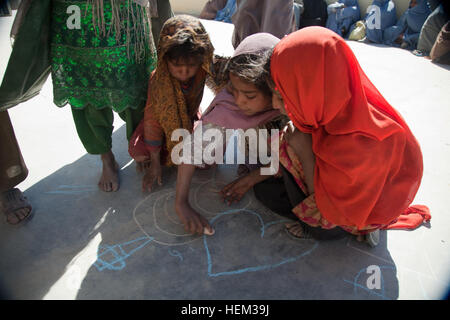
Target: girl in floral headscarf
[[175, 91]]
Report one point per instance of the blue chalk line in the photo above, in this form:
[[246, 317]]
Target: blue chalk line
[[250, 269]]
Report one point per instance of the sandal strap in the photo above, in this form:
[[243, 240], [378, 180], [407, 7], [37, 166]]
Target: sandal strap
[[12, 200], [306, 234]]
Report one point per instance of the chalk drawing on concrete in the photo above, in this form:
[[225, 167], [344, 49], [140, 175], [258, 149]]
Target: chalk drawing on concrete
[[269, 254], [113, 257], [72, 190], [155, 201], [212, 204], [406, 273], [359, 283], [155, 216]]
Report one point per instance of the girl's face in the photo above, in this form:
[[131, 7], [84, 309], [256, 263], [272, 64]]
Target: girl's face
[[277, 102], [183, 69], [248, 97]]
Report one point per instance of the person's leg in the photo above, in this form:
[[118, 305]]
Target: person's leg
[[94, 128], [440, 52], [133, 118], [430, 30], [164, 13], [301, 229], [12, 172], [272, 193]]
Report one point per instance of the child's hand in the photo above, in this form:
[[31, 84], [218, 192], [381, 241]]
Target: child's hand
[[234, 191], [193, 222], [152, 174]]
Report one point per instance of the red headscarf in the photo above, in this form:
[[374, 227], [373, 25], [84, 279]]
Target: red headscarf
[[368, 163]]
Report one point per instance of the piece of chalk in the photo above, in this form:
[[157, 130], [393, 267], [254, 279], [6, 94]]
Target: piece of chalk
[[207, 232]]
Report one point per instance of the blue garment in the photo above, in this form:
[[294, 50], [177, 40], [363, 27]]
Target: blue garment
[[410, 24], [226, 13], [340, 18], [380, 15]]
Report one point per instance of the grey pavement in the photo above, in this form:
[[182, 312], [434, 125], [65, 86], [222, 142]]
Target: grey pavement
[[86, 244]]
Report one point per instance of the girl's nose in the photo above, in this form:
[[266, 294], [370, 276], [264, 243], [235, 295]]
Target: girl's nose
[[184, 71], [239, 99]]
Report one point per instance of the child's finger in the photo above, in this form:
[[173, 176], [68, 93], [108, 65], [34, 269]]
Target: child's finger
[[209, 231], [188, 226], [159, 180], [199, 227], [237, 197], [196, 226], [150, 185], [228, 187]]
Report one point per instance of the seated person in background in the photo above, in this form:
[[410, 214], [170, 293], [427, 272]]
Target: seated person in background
[[380, 15], [315, 13], [432, 26], [341, 15], [406, 32], [219, 10], [272, 16], [440, 53]]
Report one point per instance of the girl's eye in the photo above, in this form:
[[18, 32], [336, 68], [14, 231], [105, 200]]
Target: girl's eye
[[253, 97]]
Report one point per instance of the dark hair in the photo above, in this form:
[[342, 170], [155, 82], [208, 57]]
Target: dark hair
[[186, 48], [265, 60], [251, 68]]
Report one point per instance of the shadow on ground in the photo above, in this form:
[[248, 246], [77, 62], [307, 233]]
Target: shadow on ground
[[86, 244]]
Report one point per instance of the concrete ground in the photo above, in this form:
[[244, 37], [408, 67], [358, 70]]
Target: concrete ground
[[86, 244]]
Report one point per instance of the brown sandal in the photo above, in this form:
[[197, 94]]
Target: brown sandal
[[296, 230]]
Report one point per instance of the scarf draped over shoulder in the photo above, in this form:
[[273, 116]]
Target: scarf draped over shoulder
[[172, 108], [368, 163]]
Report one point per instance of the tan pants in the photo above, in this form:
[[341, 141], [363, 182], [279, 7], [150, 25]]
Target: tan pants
[[12, 167]]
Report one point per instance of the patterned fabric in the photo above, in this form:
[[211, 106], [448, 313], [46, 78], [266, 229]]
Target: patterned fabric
[[368, 164], [103, 71], [307, 210], [173, 109]]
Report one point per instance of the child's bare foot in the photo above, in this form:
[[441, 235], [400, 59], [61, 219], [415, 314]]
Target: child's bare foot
[[193, 221], [153, 174], [109, 181]]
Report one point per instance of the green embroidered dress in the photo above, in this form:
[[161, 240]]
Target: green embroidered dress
[[100, 71]]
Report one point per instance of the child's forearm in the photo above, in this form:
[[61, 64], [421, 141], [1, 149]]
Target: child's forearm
[[256, 176], [184, 178]]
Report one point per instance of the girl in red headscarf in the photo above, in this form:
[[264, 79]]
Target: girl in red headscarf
[[349, 151]]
